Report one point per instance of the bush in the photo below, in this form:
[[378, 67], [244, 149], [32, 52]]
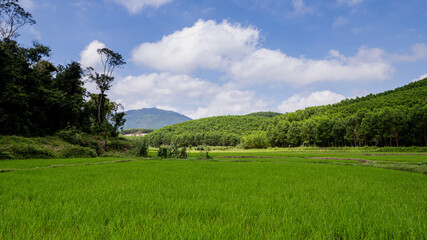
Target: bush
[[24, 151], [183, 153], [255, 140], [5, 155], [172, 152], [78, 151], [204, 154], [118, 145], [142, 148], [163, 152]]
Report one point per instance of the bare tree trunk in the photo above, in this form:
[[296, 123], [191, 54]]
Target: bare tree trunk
[[99, 106]]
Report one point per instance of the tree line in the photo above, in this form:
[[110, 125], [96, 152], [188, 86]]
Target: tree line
[[38, 97]]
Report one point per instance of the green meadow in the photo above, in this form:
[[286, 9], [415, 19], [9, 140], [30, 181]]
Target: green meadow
[[251, 194]]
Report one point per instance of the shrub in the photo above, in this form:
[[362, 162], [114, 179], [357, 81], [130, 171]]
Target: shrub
[[204, 154], [118, 145], [142, 148], [172, 152], [162, 152], [24, 151], [183, 153], [5, 155], [78, 151], [255, 140]]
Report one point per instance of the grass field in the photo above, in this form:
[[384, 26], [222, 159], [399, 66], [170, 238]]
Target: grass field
[[275, 194]]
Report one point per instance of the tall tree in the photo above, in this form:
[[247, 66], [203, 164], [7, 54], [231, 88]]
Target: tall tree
[[12, 17], [110, 61]]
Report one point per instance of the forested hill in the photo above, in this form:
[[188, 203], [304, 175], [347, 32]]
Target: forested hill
[[214, 131], [393, 118], [407, 97], [152, 118]]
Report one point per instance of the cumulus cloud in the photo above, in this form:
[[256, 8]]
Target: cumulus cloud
[[135, 6], [89, 57], [235, 50], [206, 45], [419, 51], [301, 9], [194, 97], [266, 65], [230, 102], [163, 89], [314, 99], [420, 78], [340, 21]]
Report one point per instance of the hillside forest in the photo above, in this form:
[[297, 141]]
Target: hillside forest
[[393, 118]]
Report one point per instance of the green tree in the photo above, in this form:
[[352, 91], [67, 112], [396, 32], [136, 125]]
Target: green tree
[[12, 17], [110, 61]]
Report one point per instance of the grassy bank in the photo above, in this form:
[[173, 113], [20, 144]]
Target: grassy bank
[[63, 145]]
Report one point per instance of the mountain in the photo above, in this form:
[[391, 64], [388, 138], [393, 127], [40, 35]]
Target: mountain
[[393, 118], [152, 118]]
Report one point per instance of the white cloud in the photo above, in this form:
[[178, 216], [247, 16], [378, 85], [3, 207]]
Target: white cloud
[[206, 45], [420, 77], [350, 2], [89, 57], [230, 102], [314, 99], [266, 65], [193, 97], [235, 50], [163, 89], [135, 6], [340, 21], [300, 8], [419, 51]]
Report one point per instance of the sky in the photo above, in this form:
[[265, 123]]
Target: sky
[[230, 57]]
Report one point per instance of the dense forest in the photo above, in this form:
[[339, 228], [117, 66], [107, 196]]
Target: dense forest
[[393, 118], [39, 98]]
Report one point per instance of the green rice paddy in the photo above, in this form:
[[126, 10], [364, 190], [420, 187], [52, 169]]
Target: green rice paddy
[[236, 195]]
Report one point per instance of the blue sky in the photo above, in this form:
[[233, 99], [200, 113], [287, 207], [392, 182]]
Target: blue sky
[[222, 57]]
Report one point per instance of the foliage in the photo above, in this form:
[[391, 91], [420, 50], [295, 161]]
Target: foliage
[[171, 152], [254, 140], [141, 147], [38, 98], [13, 17], [14, 147], [135, 131], [264, 114]]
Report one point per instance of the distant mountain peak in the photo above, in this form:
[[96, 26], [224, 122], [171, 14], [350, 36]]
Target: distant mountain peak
[[152, 118]]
